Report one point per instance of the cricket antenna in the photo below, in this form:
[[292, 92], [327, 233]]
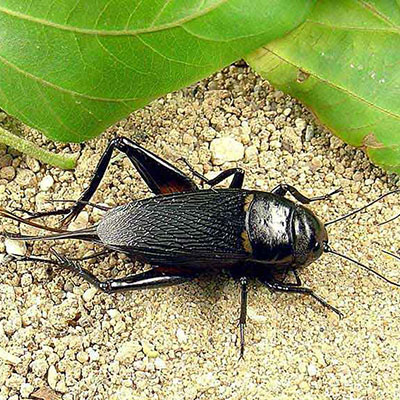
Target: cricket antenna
[[362, 208], [389, 220], [391, 254], [328, 249]]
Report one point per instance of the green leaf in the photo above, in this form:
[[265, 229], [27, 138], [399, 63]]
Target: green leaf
[[344, 63], [72, 68]]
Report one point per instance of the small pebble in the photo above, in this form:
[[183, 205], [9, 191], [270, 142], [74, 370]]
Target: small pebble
[[33, 164], [5, 161], [251, 154], [312, 370], [93, 355], [181, 336], [46, 183], [15, 247], [300, 124], [127, 352], [39, 367], [316, 163], [303, 385], [149, 350], [25, 178], [8, 357], [26, 390], [159, 363], [89, 294], [309, 133], [226, 149], [82, 357], [253, 315], [287, 111], [187, 139], [52, 377], [7, 173]]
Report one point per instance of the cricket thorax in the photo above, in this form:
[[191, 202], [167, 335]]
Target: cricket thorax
[[270, 229]]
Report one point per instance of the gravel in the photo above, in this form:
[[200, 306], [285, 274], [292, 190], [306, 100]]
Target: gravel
[[64, 340]]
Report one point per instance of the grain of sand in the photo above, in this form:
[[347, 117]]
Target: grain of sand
[[57, 333]]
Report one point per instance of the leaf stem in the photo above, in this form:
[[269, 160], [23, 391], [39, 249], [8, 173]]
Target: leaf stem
[[29, 148]]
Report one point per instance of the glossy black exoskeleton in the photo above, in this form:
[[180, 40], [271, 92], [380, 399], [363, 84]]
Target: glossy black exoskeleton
[[185, 231]]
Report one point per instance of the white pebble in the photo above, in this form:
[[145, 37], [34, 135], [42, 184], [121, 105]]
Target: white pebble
[[312, 370], [127, 352], [82, 357], [26, 390], [226, 149], [46, 183], [159, 363], [9, 358], [7, 173], [39, 367], [124, 393], [33, 164], [181, 336], [114, 314], [252, 313], [148, 350], [89, 294], [251, 153], [15, 247], [93, 354], [300, 124], [52, 377], [287, 111]]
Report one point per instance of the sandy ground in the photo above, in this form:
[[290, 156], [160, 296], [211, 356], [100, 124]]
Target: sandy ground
[[181, 342]]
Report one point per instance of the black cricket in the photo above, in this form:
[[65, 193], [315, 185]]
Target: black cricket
[[183, 231]]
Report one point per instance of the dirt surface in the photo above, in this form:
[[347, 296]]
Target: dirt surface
[[59, 336]]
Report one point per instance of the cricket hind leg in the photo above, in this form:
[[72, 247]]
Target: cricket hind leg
[[151, 279], [160, 176]]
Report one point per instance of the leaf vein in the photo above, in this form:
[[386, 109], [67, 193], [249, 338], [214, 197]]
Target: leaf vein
[[353, 28], [335, 86], [102, 12], [61, 89], [119, 61], [50, 108], [100, 32], [158, 15], [132, 14], [166, 57], [71, 11], [378, 14]]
